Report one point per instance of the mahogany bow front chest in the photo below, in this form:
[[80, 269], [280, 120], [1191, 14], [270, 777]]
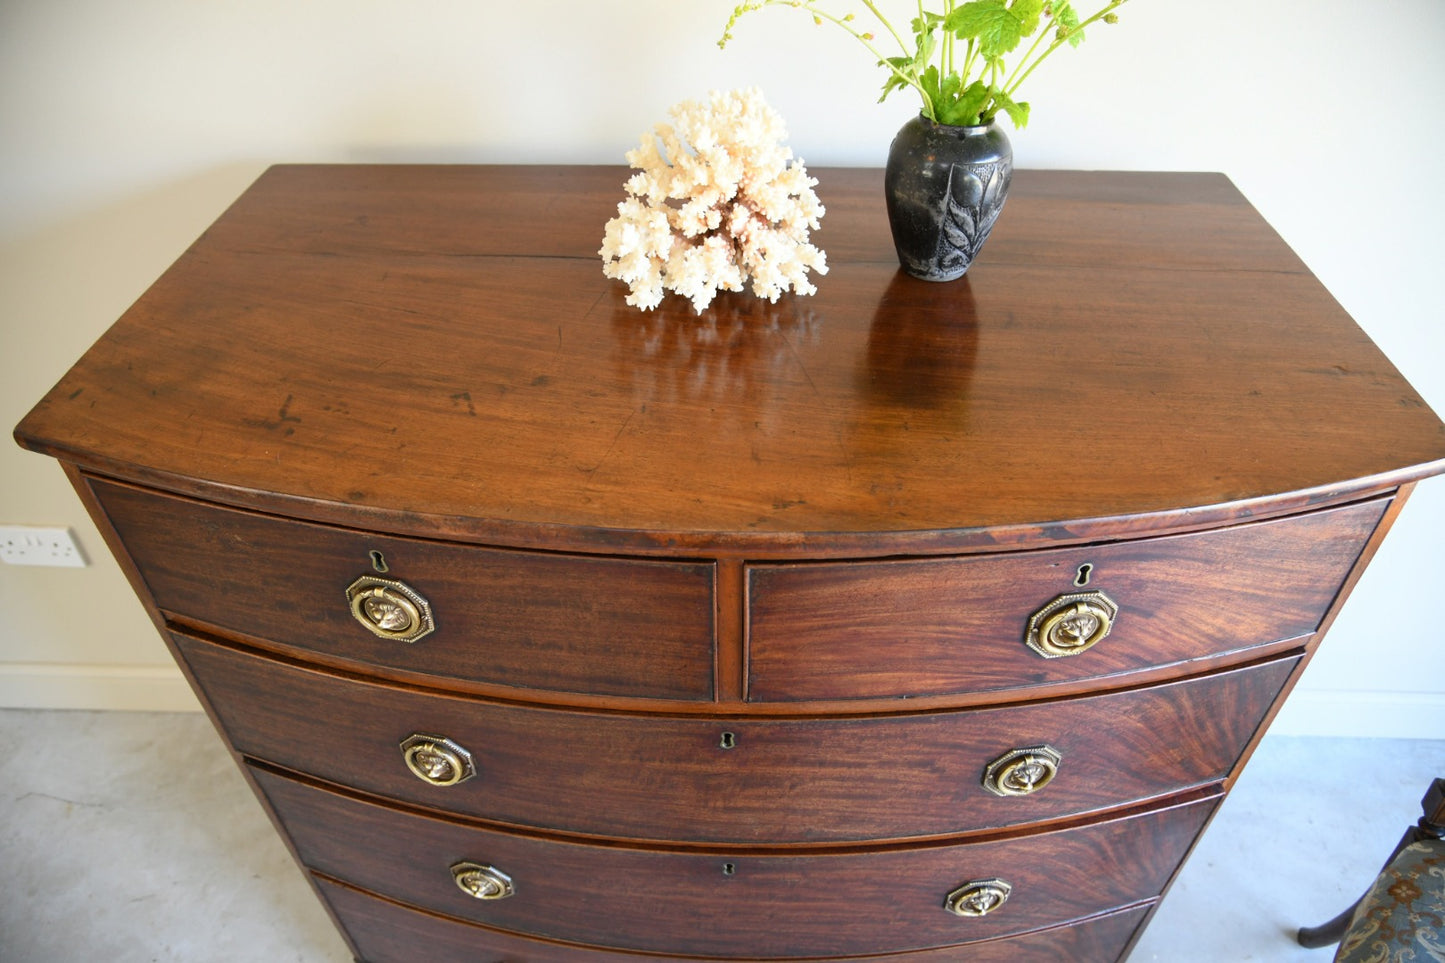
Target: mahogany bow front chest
[[906, 621]]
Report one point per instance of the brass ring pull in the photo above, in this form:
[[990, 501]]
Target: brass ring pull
[[482, 882], [1071, 624], [437, 760], [1022, 772], [978, 898], [390, 609]]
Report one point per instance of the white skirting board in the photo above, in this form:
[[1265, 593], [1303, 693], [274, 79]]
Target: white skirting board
[[161, 688], [1340, 713], [52, 685]]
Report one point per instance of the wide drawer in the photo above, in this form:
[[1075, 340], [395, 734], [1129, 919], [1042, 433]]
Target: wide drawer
[[387, 932], [560, 622], [855, 630], [795, 780], [735, 905]]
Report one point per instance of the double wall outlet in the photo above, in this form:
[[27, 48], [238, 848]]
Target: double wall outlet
[[32, 545]]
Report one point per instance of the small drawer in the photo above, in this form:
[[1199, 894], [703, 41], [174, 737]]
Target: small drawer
[[928, 627], [738, 904], [554, 622], [740, 781], [388, 932]]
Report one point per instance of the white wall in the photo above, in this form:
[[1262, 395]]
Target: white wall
[[126, 127]]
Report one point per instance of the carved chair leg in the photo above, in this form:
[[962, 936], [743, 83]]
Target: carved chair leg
[[1430, 826]]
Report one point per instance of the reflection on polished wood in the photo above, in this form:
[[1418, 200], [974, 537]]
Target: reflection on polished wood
[[735, 634], [1110, 315]]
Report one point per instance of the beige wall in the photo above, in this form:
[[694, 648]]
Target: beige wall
[[125, 128]]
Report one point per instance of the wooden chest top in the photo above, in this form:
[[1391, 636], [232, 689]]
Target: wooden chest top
[[435, 351]]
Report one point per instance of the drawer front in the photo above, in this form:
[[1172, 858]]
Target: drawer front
[[386, 932], [737, 904], [558, 622], [782, 780], [828, 631]]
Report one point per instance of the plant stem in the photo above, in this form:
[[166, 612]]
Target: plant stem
[[1025, 59], [873, 9], [1013, 85], [907, 78], [948, 37]]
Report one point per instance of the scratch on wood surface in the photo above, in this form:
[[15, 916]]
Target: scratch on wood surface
[[615, 439]]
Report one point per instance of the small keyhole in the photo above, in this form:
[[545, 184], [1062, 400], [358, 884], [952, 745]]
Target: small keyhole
[[728, 740], [1082, 578], [378, 561], [729, 869]]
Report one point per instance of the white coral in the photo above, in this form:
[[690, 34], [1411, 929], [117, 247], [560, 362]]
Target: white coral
[[715, 204]]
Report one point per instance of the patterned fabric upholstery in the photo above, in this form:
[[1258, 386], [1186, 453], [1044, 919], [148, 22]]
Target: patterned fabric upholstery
[[1402, 917]]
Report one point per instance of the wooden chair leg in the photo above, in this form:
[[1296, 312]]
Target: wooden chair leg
[[1326, 934], [1430, 826]]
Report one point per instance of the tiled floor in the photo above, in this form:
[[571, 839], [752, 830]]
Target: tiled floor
[[131, 837]]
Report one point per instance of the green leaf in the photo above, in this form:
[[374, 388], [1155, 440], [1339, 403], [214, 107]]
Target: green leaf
[[894, 82], [1018, 113], [1067, 20], [971, 19], [926, 44], [964, 109], [997, 25], [948, 90], [928, 80], [925, 24]]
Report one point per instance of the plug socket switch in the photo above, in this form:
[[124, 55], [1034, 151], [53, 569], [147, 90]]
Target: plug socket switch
[[34, 545]]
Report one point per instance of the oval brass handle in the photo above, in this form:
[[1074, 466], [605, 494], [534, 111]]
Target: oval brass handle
[[437, 760], [978, 898], [482, 882], [390, 609], [1022, 772], [1071, 624]]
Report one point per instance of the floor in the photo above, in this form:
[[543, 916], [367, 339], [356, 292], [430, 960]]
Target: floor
[[131, 837]]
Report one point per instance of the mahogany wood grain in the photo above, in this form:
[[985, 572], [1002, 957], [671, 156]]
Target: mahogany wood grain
[[835, 904], [784, 781], [434, 351], [599, 625], [939, 626], [635, 529], [389, 932]]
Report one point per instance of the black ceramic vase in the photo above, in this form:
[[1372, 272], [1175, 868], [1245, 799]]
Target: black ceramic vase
[[945, 187]]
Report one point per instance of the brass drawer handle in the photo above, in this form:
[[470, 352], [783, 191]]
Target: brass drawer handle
[[437, 760], [1022, 772], [482, 882], [390, 609], [978, 898], [1071, 624]]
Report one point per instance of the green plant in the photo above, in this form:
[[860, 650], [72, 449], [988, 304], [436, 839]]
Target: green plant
[[958, 60]]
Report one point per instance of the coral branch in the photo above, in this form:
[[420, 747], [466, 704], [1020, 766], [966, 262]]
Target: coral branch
[[718, 203]]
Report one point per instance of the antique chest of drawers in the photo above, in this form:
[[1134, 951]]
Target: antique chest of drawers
[[910, 622]]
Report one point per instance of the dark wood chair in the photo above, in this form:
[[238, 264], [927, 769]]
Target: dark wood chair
[[1402, 917]]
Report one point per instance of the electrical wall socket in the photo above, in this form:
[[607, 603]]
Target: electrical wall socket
[[32, 545]]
